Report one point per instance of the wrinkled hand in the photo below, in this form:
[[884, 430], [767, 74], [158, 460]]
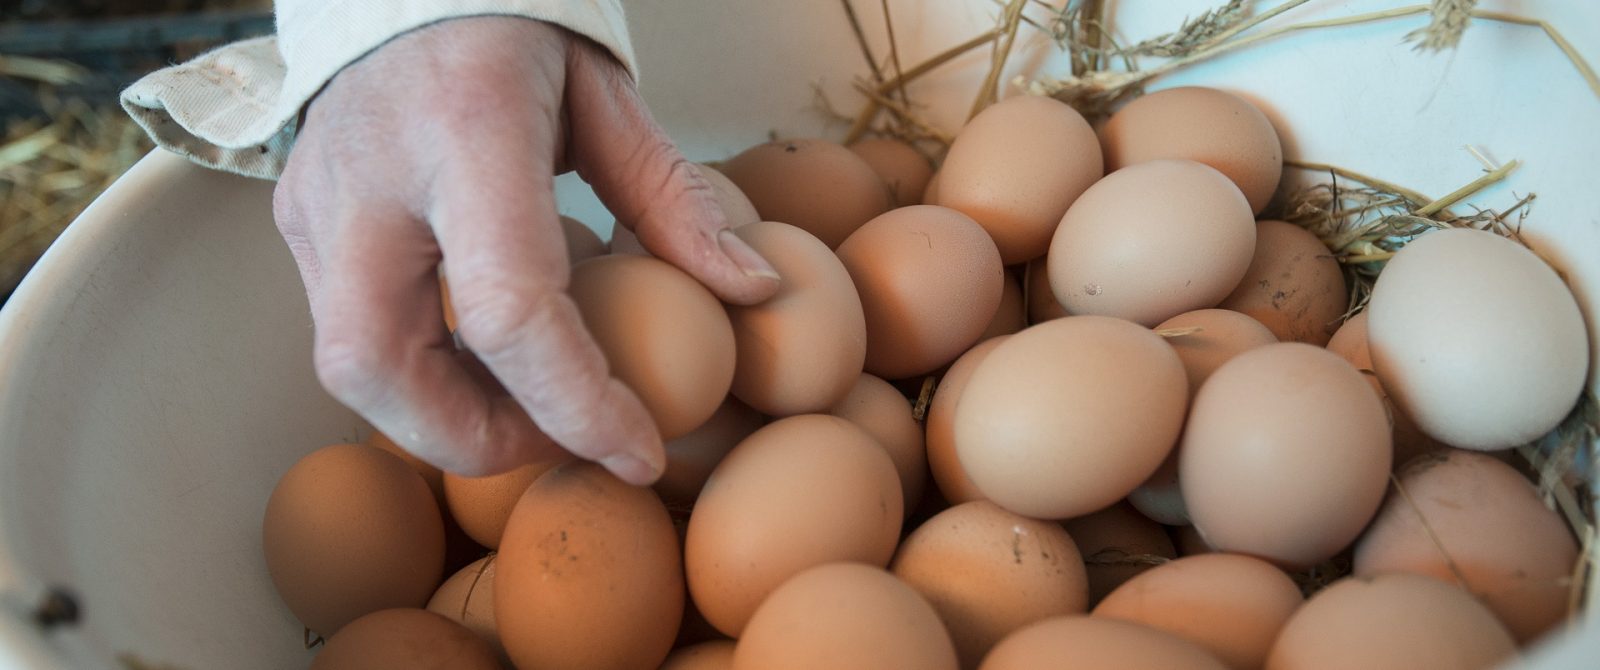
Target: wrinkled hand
[[443, 144]]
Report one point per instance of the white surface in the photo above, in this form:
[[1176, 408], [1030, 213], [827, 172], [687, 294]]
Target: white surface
[[156, 364]]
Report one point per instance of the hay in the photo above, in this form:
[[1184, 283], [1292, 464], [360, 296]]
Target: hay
[[51, 170]]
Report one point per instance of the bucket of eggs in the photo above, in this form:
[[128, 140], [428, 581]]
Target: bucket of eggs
[[159, 404]]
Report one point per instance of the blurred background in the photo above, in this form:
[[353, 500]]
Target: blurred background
[[65, 137]]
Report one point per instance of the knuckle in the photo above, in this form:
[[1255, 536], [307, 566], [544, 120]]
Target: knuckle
[[351, 366], [494, 315]]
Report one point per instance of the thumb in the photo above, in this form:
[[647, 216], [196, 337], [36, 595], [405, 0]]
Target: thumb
[[651, 188]]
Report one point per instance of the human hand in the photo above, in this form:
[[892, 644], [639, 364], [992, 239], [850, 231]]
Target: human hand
[[443, 145]]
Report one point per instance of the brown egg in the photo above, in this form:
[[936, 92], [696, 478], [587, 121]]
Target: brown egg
[[351, 530], [1294, 286], [663, 333], [1012, 315], [1016, 167], [713, 655], [1088, 643], [404, 639], [1484, 522], [1069, 416], [589, 574], [1391, 622], [989, 572], [449, 307], [482, 505], [930, 193], [1233, 606], [844, 616], [467, 598], [901, 166], [1350, 343], [582, 242], [1152, 241], [1205, 125], [1042, 303], [815, 185], [940, 432], [800, 350], [800, 492], [691, 458], [736, 208], [1117, 543], [1285, 455], [930, 281], [1223, 334], [878, 408], [1477, 339], [430, 474]]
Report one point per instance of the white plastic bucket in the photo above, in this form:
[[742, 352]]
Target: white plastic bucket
[[155, 374]]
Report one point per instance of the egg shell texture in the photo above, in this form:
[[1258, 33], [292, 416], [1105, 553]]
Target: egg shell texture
[[800, 492], [1016, 167], [1069, 416], [1151, 241], [589, 574], [404, 639], [1201, 124], [1294, 286]]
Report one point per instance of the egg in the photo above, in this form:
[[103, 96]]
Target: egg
[[1231, 605], [737, 210], [350, 530], [404, 639], [816, 185], [1285, 455], [1350, 343], [930, 193], [900, 165], [1151, 241], [467, 598], [800, 350], [1069, 416], [1088, 643], [1200, 124], [939, 426], [691, 458], [582, 242], [1294, 286], [844, 616], [713, 655], [930, 281], [1012, 314], [878, 408], [430, 473], [1117, 543], [1221, 335], [989, 572], [1016, 167], [1471, 515], [482, 505], [1477, 339], [589, 574], [663, 334], [1042, 303], [1391, 622], [800, 492]]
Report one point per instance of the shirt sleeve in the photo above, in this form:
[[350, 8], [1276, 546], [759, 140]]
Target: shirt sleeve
[[234, 108]]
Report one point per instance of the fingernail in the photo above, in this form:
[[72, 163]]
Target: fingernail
[[631, 468], [743, 256]]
